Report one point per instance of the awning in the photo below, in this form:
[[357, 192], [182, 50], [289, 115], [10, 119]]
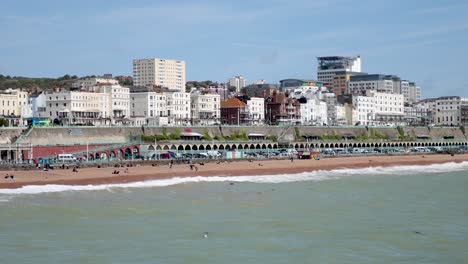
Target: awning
[[191, 134], [256, 135]]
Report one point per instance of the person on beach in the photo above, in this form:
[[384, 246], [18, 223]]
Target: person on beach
[[292, 158], [171, 163]]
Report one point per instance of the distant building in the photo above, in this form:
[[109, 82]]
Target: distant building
[[234, 112], [340, 82], [220, 89], [301, 84], [87, 83], [259, 82], [330, 65], [237, 81], [464, 115], [168, 74], [360, 84], [414, 93], [260, 90]]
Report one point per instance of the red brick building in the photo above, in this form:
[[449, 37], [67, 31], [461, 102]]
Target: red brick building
[[282, 110], [234, 112]]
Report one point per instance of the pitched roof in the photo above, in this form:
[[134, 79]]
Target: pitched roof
[[233, 103]]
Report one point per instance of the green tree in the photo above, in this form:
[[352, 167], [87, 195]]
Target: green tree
[[3, 122]]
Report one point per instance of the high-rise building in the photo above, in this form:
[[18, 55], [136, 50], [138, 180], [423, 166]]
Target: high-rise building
[[168, 74], [237, 81], [330, 65]]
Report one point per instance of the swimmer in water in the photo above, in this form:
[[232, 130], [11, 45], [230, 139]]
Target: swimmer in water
[[205, 235]]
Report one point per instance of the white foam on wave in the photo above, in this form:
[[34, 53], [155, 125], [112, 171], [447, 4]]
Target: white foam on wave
[[280, 178]]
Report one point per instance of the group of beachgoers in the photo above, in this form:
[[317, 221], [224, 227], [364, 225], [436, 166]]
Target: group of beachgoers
[[9, 177]]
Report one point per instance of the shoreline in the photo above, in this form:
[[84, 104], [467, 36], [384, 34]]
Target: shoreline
[[99, 176]]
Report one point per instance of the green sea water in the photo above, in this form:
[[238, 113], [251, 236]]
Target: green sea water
[[420, 217]]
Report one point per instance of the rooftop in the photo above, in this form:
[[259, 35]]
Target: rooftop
[[233, 103]]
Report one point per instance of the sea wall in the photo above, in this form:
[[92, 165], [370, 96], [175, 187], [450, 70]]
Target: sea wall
[[9, 135], [118, 135]]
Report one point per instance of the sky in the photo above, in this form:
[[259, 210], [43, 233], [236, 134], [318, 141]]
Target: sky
[[425, 41]]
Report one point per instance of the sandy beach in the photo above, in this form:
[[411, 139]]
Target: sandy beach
[[95, 176]]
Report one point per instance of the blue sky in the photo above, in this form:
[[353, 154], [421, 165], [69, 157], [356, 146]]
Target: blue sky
[[420, 40]]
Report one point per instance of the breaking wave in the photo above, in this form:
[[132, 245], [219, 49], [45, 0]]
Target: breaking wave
[[280, 178]]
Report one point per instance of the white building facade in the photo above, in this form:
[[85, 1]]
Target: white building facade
[[448, 110], [205, 109], [110, 104], [169, 74], [148, 108], [379, 108], [256, 110], [178, 108], [38, 105], [76, 107]]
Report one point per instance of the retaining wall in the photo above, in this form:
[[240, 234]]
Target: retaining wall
[[120, 135]]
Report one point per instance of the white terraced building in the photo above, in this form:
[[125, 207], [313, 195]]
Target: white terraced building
[[205, 108], [256, 110], [313, 111], [178, 108], [379, 108], [108, 105], [148, 108], [14, 106], [448, 110]]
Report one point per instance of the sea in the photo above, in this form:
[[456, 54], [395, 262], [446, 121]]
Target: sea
[[402, 214]]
